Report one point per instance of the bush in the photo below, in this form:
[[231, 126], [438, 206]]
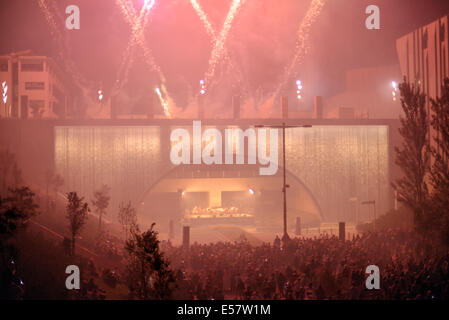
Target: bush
[[110, 278], [401, 218]]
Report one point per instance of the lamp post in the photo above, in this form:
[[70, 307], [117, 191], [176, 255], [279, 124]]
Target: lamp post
[[285, 237]]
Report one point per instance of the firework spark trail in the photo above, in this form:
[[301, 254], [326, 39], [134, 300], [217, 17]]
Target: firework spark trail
[[134, 21], [302, 46], [218, 49], [55, 31], [203, 17], [138, 23], [139, 38], [164, 102], [64, 49], [212, 34]]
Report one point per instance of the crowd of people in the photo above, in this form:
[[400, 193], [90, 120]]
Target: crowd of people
[[312, 268]]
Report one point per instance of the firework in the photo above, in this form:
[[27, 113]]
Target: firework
[[218, 48], [213, 36], [51, 16], [164, 102], [138, 23], [302, 46]]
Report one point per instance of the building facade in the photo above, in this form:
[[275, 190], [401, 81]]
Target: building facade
[[36, 87], [423, 56], [424, 60]]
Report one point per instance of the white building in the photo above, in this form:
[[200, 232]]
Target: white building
[[36, 87]]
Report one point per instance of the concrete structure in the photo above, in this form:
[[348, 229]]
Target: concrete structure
[[424, 57], [369, 93], [327, 165], [318, 110], [37, 88]]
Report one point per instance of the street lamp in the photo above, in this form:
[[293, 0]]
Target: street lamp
[[299, 89], [203, 87], [285, 237], [395, 89], [100, 95]]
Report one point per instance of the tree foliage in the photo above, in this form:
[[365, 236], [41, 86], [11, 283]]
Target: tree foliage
[[148, 272], [53, 181], [10, 173], [413, 156], [101, 202], [16, 209], [439, 176], [77, 213], [127, 217]]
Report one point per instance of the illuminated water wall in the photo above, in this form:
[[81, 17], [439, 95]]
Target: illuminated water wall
[[338, 163], [127, 159], [335, 162]]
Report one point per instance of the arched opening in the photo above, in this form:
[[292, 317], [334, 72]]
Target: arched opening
[[210, 197]]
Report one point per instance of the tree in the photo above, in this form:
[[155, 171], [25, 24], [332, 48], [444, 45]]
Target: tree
[[440, 168], [48, 181], [53, 181], [101, 202], [148, 273], [57, 182], [9, 170], [127, 217], [413, 156], [77, 211], [16, 209]]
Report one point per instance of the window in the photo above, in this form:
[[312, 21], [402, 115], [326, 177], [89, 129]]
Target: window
[[37, 104], [34, 85], [32, 65]]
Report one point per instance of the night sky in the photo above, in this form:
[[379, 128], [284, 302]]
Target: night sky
[[261, 41]]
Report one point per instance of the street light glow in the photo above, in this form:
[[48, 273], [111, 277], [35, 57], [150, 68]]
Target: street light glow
[[100, 95], [4, 92], [298, 89], [202, 87], [395, 89]]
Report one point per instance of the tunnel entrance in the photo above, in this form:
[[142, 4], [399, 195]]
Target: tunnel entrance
[[237, 196]]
